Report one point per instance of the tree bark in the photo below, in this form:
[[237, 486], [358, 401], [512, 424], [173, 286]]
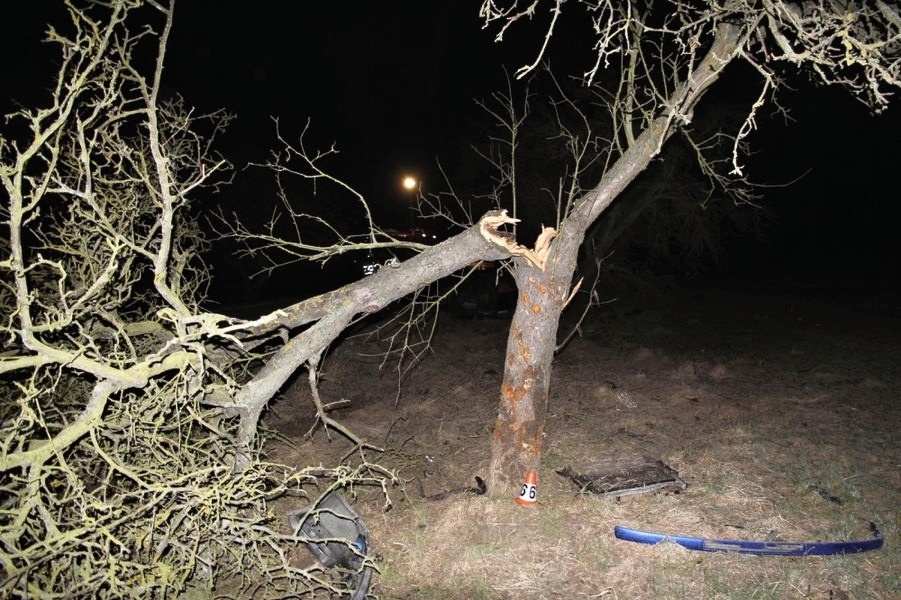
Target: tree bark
[[516, 443]]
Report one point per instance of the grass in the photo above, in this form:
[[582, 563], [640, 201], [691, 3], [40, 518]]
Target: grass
[[755, 432]]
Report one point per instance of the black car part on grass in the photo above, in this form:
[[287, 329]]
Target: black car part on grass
[[627, 477], [751, 547], [344, 540]]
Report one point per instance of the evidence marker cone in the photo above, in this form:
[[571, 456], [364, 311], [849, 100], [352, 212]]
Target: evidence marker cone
[[528, 494]]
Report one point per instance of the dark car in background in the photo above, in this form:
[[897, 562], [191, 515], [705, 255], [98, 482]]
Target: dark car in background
[[488, 292], [374, 260]]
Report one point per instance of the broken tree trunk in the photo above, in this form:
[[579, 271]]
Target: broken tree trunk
[[516, 442], [545, 273]]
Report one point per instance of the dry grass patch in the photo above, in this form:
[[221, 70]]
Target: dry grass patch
[[765, 417]]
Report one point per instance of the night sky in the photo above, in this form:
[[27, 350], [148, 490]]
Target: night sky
[[393, 84]]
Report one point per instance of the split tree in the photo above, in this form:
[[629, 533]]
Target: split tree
[[129, 425], [655, 62]]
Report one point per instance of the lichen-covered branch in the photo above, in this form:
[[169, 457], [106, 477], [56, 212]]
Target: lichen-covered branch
[[117, 433]]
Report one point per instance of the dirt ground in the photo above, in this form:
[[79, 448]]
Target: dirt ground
[[779, 411]]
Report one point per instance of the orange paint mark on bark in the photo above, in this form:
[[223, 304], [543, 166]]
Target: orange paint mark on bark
[[525, 298], [512, 397], [514, 403], [521, 347], [512, 394]]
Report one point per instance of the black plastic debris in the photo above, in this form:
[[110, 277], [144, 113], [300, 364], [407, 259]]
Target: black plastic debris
[[625, 477], [825, 493], [345, 540]]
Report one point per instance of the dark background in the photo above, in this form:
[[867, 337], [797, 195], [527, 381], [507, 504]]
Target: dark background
[[393, 84]]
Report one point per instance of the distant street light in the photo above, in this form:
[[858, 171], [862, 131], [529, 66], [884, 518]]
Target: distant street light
[[411, 184]]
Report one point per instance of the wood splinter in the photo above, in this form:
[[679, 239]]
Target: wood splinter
[[490, 225]]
